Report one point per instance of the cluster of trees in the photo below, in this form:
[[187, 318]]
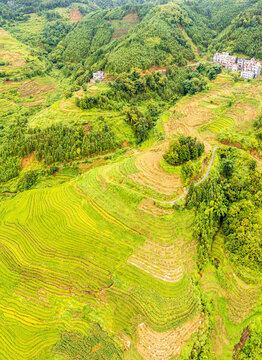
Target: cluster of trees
[[230, 200], [141, 123], [252, 349], [91, 101], [258, 128], [57, 143], [129, 89], [136, 85], [183, 150], [96, 344], [219, 14], [53, 33], [156, 40]]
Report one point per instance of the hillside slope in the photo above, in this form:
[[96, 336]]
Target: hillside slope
[[244, 35], [95, 268], [219, 13], [156, 40]]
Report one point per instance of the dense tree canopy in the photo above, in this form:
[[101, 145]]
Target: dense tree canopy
[[183, 150], [230, 200]]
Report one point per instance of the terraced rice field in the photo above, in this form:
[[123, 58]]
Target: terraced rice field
[[98, 250], [225, 106], [51, 230], [165, 345], [19, 64], [219, 123]]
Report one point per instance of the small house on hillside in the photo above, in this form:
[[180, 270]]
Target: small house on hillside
[[98, 76]]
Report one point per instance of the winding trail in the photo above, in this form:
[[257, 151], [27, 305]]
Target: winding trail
[[256, 159]]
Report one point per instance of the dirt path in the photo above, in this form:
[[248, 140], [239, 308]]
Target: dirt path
[[253, 157]]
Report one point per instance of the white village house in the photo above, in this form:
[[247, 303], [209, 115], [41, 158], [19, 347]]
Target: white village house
[[249, 68], [98, 76]]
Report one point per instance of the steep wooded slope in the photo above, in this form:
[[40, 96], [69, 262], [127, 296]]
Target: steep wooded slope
[[244, 35], [159, 39]]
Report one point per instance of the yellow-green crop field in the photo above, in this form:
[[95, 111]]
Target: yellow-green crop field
[[101, 267], [26, 84]]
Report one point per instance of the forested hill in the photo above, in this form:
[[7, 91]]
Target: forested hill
[[13, 10], [244, 35], [220, 13], [132, 36], [116, 35]]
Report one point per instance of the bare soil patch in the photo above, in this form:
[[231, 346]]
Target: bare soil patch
[[75, 15], [163, 346], [8, 82], [124, 25], [3, 32], [87, 128], [152, 175], [32, 88], [27, 160], [14, 58], [164, 262]]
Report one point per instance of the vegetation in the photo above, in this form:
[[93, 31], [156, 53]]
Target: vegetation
[[183, 150], [96, 345], [253, 348], [228, 202], [243, 36], [130, 209]]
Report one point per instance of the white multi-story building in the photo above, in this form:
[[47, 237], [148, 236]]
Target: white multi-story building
[[252, 66], [247, 75], [225, 59], [235, 67], [249, 68]]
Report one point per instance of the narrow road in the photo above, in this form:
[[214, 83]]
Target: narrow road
[[256, 159]]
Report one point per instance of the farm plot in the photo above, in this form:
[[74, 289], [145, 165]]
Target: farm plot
[[107, 187], [61, 249], [48, 242], [18, 65], [16, 56], [219, 123], [99, 250], [152, 175], [226, 105], [234, 299], [139, 297], [167, 263], [163, 346]]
